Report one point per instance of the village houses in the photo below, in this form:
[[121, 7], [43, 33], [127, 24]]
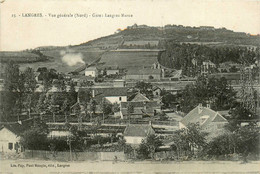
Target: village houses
[[209, 120], [135, 133], [138, 107], [10, 138], [91, 71]]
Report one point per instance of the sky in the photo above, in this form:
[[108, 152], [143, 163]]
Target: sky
[[19, 33]]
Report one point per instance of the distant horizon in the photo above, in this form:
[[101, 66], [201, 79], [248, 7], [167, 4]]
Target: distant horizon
[[103, 18], [42, 46]]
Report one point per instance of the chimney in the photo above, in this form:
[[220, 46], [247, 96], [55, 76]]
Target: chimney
[[163, 73], [200, 108], [208, 105], [145, 105], [93, 93]]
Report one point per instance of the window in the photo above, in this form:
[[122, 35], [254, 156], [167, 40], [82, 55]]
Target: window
[[10, 146], [203, 119], [120, 98]]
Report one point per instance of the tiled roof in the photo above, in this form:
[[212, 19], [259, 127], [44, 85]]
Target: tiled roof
[[138, 130], [195, 115], [102, 92], [91, 68], [139, 97], [15, 128], [140, 104], [155, 88], [140, 108]]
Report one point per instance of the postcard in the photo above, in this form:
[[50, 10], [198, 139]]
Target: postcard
[[128, 86]]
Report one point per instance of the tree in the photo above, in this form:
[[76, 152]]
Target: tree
[[217, 92], [222, 145], [233, 69], [196, 137], [248, 139], [40, 106], [168, 99], [115, 108], [66, 109], [93, 105], [47, 81], [240, 114], [106, 108], [145, 88], [30, 86], [51, 101], [35, 138], [14, 89], [148, 146], [243, 140], [12, 75], [29, 80], [188, 140], [72, 94], [128, 150]]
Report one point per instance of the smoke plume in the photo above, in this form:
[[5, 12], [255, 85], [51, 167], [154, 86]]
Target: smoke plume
[[71, 58]]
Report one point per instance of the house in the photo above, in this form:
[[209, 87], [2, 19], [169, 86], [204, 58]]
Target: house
[[143, 74], [138, 97], [176, 75], [210, 121], [156, 91], [229, 67], [207, 67], [139, 109], [135, 133], [78, 107], [111, 94], [91, 71], [112, 71], [59, 134], [139, 106], [9, 138]]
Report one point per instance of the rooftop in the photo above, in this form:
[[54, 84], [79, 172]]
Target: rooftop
[[138, 130], [195, 115], [15, 128], [139, 97]]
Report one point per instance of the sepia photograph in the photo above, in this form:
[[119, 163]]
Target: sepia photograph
[[128, 86]]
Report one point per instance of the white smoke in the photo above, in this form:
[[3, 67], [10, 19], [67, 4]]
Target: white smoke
[[71, 58]]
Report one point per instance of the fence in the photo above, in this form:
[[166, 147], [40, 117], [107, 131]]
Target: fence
[[76, 156]]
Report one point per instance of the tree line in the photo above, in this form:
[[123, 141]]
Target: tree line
[[189, 57]]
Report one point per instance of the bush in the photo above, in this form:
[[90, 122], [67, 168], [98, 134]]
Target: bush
[[148, 146]]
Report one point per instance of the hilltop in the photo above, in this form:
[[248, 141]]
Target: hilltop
[[142, 37], [180, 34]]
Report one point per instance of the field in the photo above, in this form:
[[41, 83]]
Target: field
[[122, 58], [88, 55], [84, 167], [19, 57], [130, 58]]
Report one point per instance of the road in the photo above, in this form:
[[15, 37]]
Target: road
[[55, 167]]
